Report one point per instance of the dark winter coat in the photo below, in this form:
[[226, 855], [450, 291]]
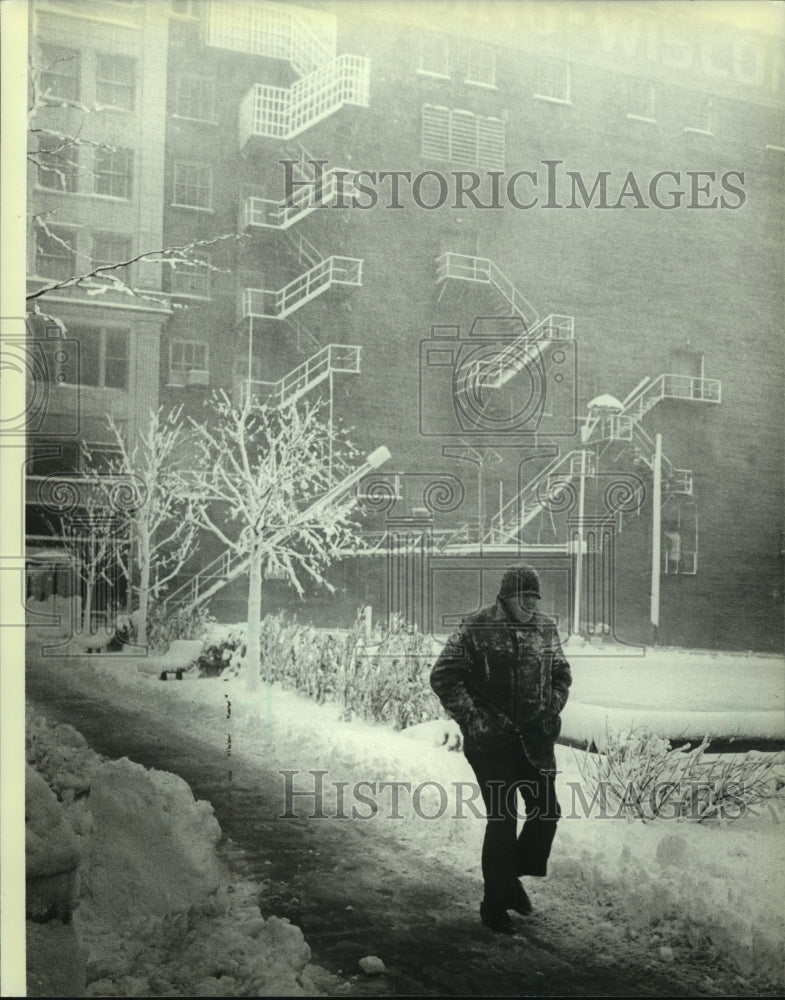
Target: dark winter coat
[[502, 680]]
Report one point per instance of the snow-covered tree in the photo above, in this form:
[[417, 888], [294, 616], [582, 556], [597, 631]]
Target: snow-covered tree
[[264, 485], [93, 537], [161, 523]]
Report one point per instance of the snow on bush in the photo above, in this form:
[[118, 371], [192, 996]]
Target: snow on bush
[[639, 774], [381, 680]]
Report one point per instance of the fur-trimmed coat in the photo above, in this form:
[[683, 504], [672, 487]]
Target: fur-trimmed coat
[[500, 679]]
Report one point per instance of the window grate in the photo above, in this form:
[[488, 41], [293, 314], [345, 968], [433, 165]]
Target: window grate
[[462, 137]]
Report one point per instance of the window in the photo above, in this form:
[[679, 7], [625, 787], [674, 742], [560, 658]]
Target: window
[[55, 252], [186, 356], [481, 67], [191, 279], [110, 249], [116, 359], [59, 73], [115, 81], [58, 163], [195, 98], [641, 100], [462, 137], [193, 185], [552, 80], [434, 55], [114, 172], [103, 356]]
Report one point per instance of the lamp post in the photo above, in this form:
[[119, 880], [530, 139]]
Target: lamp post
[[599, 408]]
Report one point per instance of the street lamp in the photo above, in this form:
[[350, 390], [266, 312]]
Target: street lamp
[[600, 407]]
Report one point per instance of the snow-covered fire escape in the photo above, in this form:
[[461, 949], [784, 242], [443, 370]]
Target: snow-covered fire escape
[[306, 39], [612, 438]]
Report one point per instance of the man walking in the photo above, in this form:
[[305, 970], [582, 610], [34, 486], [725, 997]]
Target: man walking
[[503, 677]]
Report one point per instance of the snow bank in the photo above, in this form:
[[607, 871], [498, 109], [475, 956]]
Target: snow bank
[[157, 911], [678, 694]]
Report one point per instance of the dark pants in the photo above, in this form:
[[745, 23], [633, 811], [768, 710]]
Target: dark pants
[[503, 773]]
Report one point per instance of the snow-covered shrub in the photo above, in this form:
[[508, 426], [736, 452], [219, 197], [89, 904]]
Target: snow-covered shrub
[[390, 681], [381, 680], [641, 776], [164, 627], [223, 651]]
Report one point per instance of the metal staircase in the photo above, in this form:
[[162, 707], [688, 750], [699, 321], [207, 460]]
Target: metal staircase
[[302, 379], [497, 371], [270, 214], [508, 523], [285, 112], [306, 252], [494, 371], [626, 425], [264, 303], [668, 386], [303, 37], [480, 270]]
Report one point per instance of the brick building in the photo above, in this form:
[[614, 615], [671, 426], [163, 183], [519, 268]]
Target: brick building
[[461, 238]]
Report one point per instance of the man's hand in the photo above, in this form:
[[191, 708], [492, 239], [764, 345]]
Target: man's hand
[[478, 726], [550, 723]]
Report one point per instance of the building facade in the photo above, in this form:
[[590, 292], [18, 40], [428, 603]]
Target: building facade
[[458, 239]]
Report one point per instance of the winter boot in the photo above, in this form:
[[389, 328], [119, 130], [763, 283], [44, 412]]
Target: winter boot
[[519, 900], [498, 920]]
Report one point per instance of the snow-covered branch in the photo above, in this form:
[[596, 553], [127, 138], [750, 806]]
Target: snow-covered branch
[[102, 278]]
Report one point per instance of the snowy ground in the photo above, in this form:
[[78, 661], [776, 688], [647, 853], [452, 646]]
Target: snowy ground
[[710, 890]]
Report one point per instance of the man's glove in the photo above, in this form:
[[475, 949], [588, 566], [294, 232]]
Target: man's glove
[[550, 723], [478, 726]]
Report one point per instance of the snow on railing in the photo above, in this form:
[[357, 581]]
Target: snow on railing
[[304, 37], [304, 199], [268, 304], [464, 267], [495, 372], [516, 514], [670, 386], [282, 113], [303, 378]]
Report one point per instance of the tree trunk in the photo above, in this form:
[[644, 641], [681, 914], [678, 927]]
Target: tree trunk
[[253, 652], [144, 588]]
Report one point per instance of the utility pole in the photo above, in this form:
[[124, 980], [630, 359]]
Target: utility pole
[[656, 543], [576, 622]]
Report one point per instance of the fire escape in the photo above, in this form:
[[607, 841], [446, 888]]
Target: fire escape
[[306, 38], [613, 436]]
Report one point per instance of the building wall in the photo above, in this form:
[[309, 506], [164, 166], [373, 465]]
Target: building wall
[[652, 289], [131, 35]]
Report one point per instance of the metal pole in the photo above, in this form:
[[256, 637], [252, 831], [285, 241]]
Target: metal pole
[[656, 542], [576, 622], [246, 396], [330, 465]]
